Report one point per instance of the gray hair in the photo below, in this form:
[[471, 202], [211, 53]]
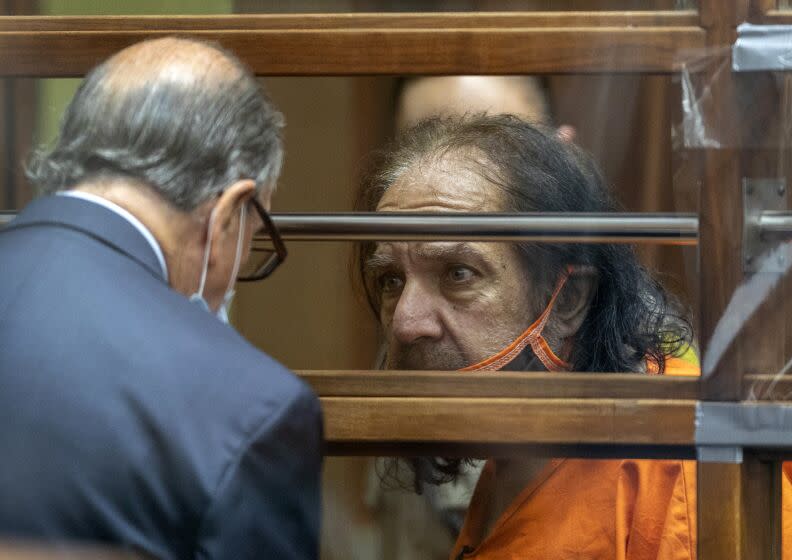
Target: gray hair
[[189, 140]]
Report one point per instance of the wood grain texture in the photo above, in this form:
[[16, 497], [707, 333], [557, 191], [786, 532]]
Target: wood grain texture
[[738, 504], [509, 420], [20, 550], [719, 486], [768, 387], [16, 123], [499, 385], [739, 510], [719, 497], [402, 51], [431, 20], [762, 528], [773, 17], [720, 206], [758, 9]]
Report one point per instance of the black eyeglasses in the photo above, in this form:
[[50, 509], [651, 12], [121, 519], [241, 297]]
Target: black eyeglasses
[[266, 253]]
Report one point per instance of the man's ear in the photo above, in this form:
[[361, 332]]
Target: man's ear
[[227, 212], [574, 301]]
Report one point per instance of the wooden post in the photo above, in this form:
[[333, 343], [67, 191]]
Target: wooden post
[[738, 504], [16, 123]]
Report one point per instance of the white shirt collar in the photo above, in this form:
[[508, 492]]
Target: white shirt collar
[[144, 231]]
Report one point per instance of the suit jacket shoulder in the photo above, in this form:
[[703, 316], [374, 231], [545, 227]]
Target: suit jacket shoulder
[[130, 415]]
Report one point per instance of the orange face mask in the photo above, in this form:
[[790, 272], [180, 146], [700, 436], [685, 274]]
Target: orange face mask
[[533, 336]]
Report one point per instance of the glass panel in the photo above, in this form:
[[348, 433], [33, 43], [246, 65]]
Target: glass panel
[[750, 285], [447, 306], [309, 315], [334, 123], [197, 7]]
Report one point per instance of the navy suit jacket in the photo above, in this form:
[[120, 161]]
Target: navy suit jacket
[[129, 415]]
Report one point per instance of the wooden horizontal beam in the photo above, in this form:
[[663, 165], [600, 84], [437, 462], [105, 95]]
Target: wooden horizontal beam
[[499, 384], [505, 384], [76, 48], [774, 17], [37, 550], [768, 387], [423, 20], [510, 421], [508, 413], [399, 422]]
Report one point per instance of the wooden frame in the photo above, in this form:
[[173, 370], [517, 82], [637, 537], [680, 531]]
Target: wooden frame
[[739, 514], [634, 415], [628, 414], [731, 497], [767, 12], [363, 44]]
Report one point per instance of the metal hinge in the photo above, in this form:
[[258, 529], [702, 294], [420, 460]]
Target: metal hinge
[[765, 213]]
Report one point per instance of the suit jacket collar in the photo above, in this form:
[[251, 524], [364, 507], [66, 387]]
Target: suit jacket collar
[[94, 221]]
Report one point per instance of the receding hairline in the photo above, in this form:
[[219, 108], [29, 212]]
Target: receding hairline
[[449, 158], [176, 60]]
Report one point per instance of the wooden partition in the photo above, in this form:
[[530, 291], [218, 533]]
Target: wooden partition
[[364, 44], [571, 414]]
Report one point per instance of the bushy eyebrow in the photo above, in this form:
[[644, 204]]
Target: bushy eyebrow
[[449, 251], [378, 262], [444, 251]]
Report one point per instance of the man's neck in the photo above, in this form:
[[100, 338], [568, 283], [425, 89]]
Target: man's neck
[[511, 477], [169, 226]]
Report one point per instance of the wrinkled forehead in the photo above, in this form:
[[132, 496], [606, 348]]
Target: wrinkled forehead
[[451, 183], [431, 250], [494, 258]]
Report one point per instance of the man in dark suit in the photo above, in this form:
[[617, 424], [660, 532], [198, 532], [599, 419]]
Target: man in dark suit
[[130, 413]]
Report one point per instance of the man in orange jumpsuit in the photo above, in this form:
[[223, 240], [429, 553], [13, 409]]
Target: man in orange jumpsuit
[[529, 307]]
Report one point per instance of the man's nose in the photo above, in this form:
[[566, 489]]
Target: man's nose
[[416, 315]]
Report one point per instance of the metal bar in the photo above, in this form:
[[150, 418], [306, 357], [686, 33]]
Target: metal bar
[[672, 229], [776, 225], [661, 229]]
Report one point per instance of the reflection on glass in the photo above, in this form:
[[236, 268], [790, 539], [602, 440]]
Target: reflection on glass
[[485, 306], [500, 307], [331, 130], [198, 7]]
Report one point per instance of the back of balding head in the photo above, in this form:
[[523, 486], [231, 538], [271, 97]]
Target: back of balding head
[[183, 116], [170, 60]]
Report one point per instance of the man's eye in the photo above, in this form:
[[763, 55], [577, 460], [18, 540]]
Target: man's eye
[[389, 283], [460, 274]]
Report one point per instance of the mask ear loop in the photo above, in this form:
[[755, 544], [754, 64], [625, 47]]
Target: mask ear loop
[[533, 336], [238, 257], [207, 249]]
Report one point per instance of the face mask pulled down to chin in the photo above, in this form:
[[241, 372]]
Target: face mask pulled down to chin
[[529, 349]]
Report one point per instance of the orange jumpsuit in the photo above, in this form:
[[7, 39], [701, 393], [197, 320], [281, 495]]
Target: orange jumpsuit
[[622, 509]]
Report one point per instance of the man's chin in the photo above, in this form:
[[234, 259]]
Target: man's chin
[[426, 360]]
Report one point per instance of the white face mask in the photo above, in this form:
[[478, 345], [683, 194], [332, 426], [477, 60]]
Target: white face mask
[[197, 297]]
